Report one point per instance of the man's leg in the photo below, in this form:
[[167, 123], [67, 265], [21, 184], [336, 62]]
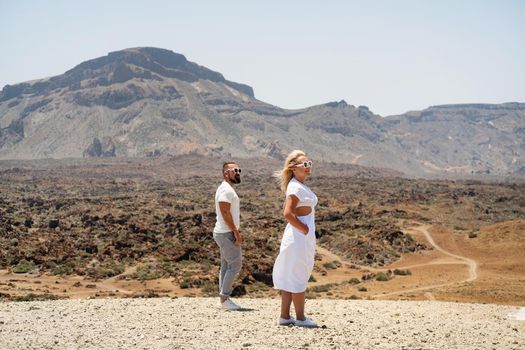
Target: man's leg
[[222, 273], [233, 256], [219, 239]]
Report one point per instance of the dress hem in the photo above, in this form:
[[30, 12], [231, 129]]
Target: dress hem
[[290, 291]]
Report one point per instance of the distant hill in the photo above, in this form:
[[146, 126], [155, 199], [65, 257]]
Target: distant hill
[[154, 102]]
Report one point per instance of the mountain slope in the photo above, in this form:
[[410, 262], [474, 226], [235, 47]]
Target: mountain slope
[[150, 102]]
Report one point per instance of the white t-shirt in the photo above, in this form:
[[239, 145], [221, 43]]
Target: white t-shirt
[[226, 193], [305, 195]]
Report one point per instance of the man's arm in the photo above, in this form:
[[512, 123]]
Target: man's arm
[[227, 216]]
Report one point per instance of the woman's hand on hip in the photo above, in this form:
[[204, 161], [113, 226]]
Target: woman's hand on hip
[[305, 229]]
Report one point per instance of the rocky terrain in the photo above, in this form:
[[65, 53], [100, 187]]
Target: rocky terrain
[[76, 226], [197, 323], [154, 102]]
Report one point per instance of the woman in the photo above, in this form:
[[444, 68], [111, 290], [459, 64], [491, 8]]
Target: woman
[[295, 262]]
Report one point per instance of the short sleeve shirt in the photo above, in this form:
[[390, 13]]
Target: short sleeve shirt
[[226, 193], [305, 195]]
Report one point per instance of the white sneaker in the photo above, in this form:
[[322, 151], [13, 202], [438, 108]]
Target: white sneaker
[[286, 322], [228, 304], [308, 322]]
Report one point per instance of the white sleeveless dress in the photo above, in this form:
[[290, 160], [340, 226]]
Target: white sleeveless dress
[[295, 262]]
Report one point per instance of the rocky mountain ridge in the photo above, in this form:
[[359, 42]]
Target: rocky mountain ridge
[[154, 102]]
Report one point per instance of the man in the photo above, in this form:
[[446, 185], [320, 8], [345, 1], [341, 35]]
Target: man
[[226, 232]]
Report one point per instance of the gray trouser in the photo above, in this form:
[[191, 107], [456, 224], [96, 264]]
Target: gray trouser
[[231, 261]]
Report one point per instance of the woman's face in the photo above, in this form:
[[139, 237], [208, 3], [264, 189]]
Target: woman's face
[[303, 167]]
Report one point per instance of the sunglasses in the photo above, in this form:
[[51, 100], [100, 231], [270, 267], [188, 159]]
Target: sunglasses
[[235, 170], [307, 164]]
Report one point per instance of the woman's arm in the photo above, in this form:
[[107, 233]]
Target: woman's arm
[[289, 213]]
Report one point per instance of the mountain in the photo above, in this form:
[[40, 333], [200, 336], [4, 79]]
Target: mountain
[[154, 102], [482, 138]]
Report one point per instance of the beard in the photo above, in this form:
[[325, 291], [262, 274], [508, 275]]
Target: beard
[[236, 180]]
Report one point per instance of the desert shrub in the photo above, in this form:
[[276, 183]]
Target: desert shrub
[[392, 252], [354, 297], [472, 234], [147, 271], [323, 288], [257, 287], [23, 266], [310, 295], [402, 272], [354, 281], [64, 269], [362, 289], [36, 297], [49, 265], [105, 269], [382, 277], [332, 264], [238, 291], [206, 266], [210, 288], [149, 293]]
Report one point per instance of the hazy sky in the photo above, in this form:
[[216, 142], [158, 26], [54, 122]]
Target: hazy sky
[[392, 56]]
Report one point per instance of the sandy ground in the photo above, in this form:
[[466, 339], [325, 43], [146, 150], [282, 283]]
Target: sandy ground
[[197, 323]]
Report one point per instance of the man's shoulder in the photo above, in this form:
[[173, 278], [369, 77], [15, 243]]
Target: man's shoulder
[[225, 187]]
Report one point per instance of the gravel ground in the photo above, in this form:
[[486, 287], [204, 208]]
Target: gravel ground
[[198, 323]]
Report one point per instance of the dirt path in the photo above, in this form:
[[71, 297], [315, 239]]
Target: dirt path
[[342, 273], [472, 268], [331, 256], [109, 284], [472, 264]]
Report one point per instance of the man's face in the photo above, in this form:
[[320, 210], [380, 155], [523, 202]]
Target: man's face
[[233, 173]]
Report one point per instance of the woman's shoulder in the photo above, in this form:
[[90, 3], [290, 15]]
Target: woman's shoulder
[[295, 187], [292, 184]]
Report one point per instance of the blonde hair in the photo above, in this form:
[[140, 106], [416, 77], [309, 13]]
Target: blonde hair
[[286, 174]]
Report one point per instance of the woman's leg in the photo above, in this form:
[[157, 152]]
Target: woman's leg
[[298, 303], [286, 301]]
